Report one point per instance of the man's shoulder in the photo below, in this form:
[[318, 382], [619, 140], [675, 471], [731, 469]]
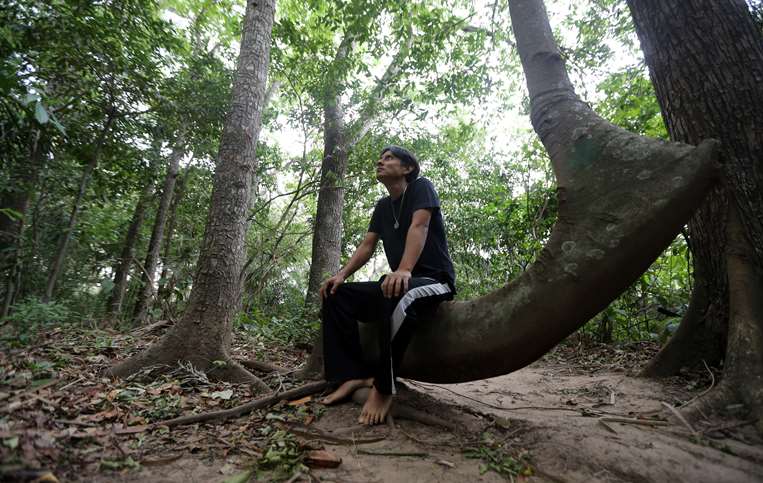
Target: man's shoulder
[[423, 183]]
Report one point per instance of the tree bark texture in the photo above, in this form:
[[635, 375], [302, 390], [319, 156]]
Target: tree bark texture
[[57, 264], [622, 200], [147, 291], [166, 286], [203, 335], [706, 62], [16, 198], [122, 269]]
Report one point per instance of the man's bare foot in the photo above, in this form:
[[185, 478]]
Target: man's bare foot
[[346, 390], [376, 407]]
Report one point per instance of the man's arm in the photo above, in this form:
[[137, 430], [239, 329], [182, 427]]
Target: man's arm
[[362, 254], [396, 283]]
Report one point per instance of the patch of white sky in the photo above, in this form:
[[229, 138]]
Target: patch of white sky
[[500, 114]]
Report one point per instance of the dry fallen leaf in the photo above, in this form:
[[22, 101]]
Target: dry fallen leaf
[[322, 458]]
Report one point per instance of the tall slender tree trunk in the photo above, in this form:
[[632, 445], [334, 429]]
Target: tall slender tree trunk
[[148, 272], [122, 269], [327, 232], [16, 199], [166, 286], [203, 335], [705, 58], [57, 264]]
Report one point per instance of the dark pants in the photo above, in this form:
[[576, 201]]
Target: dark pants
[[395, 319]]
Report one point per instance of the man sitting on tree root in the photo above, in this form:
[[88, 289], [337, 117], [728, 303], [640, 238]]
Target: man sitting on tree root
[[410, 225]]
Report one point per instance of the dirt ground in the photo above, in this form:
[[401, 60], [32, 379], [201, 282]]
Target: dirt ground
[[578, 415]]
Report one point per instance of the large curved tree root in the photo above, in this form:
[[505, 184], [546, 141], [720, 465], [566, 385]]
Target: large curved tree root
[[726, 400], [165, 354]]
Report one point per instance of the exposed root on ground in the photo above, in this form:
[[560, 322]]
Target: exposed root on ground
[[403, 411], [245, 408], [165, 359]]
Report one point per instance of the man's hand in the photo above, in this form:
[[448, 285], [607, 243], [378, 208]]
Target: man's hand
[[329, 286], [396, 283]]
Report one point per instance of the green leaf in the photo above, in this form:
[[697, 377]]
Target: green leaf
[[242, 477], [40, 113], [11, 443]]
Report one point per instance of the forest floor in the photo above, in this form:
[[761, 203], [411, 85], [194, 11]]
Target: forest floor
[[577, 415]]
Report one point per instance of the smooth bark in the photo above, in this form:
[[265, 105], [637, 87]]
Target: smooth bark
[[622, 200], [147, 291], [122, 269], [203, 335]]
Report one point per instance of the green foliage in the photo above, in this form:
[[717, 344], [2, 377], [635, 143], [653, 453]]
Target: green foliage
[[282, 457], [29, 316], [278, 331], [497, 457]]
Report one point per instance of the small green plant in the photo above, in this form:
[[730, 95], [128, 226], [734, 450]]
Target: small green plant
[[496, 457], [28, 316], [282, 457]]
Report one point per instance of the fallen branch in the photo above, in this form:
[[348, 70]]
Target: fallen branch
[[242, 409]]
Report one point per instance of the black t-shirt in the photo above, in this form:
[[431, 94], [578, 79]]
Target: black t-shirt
[[434, 261]]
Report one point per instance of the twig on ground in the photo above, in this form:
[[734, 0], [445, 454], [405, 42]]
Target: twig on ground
[[494, 406], [242, 409], [642, 422], [725, 427], [393, 453], [317, 434], [607, 426], [712, 385], [681, 418], [294, 478], [76, 381]]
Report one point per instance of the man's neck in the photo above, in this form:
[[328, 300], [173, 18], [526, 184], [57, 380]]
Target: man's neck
[[396, 188]]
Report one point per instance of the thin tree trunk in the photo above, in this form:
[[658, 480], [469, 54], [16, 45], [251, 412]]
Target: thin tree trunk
[[122, 268], [327, 233], [147, 292], [57, 264], [165, 286], [16, 199], [706, 61], [203, 335]]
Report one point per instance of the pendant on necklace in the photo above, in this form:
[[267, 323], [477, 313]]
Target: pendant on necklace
[[397, 225]]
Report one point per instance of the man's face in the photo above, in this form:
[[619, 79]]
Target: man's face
[[389, 167]]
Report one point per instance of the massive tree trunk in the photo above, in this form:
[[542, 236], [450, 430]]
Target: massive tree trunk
[[203, 335], [706, 62], [148, 273], [122, 269], [57, 264], [622, 200]]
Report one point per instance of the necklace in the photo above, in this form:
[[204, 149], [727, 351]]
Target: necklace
[[400, 211]]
